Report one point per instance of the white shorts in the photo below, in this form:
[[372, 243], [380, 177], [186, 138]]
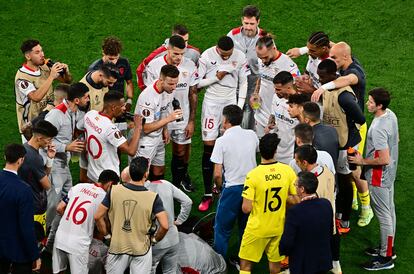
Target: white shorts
[[342, 166], [155, 153], [116, 264], [178, 137], [78, 263], [211, 118]]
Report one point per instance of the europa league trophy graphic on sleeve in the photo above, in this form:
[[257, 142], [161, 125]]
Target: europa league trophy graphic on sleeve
[[129, 207]]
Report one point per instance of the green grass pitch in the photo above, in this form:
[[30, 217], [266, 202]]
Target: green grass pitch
[[380, 33]]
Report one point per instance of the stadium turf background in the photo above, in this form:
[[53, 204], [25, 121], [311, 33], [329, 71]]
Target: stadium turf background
[[378, 31]]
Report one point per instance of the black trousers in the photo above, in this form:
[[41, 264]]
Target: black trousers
[[15, 268]]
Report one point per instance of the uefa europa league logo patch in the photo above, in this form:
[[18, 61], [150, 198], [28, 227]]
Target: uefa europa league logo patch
[[129, 207]]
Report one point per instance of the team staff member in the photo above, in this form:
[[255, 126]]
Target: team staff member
[[186, 95], [245, 38], [352, 74], [165, 252], [325, 137], [103, 137], [33, 170], [75, 231], [190, 52], [130, 208], [340, 110], [227, 159], [380, 170], [222, 70], [306, 158], [265, 195], [308, 230], [271, 62], [33, 83], [18, 249], [152, 105]]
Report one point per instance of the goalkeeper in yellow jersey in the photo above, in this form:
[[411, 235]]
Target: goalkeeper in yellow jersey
[[267, 189]]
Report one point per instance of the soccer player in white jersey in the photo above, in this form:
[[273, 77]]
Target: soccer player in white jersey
[[103, 138], [186, 95], [245, 38], [153, 106], [271, 62], [284, 124], [222, 70], [75, 231]]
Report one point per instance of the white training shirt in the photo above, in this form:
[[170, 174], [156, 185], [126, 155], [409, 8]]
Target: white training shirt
[[281, 63], [210, 62], [285, 126], [188, 77], [324, 159], [151, 105], [312, 69], [75, 231], [236, 151], [103, 139]]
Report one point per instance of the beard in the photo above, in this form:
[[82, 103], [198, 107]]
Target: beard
[[84, 108]]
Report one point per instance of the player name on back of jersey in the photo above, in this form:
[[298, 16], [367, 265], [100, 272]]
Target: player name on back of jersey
[[89, 192], [92, 125]]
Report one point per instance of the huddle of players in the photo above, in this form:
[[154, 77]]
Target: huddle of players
[[245, 64]]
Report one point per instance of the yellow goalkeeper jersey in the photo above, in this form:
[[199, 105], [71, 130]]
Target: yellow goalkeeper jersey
[[268, 186]]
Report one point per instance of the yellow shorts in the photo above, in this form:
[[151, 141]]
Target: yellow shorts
[[41, 219], [363, 134], [252, 248]]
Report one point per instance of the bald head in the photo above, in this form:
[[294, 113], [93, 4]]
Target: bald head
[[341, 54]]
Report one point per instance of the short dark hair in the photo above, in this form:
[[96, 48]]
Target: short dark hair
[[180, 29], [251, 11], [328, 66], [112, 46], [13, 152], [312, 111], [109, 69], [380, 96], [283, 78], [268, 145], [28, 45], [307, 153], [77, 90], [233, 114], [298, 98], [169, 71], [108, 176], [267, 40], [112, 96], [45, 128], [319, 39], [225, 43], [63, 87], [304, 132], [137, 168], [308, 181], [176, 41]]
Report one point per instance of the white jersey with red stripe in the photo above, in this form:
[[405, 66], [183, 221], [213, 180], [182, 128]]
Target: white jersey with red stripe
[[225, 89], [151, 105], [188, 77], [103, 139], [75, 231], [285, 126], [281, 63]]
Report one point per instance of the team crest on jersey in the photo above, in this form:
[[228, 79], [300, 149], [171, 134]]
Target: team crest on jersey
[[118, 134], [145, 112], [24, 84], [121, 70]]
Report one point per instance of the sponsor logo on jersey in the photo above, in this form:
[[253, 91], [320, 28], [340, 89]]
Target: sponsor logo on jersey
[[147, 104], [213, 62], [234, 63], [284, 118], [181, 85], [185, 74], [266, 77]]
